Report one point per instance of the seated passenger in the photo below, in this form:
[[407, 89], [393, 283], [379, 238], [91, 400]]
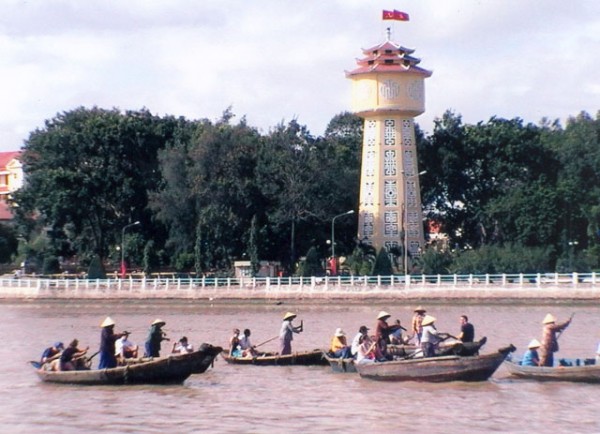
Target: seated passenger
[[531, 358], [182, 347], [397, 336], [71, 357], [124, 348], [246, 346], [234, 344], [367, 350], [52, 353], [339, 346]]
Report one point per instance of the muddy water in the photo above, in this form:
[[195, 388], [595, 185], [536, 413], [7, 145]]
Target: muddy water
[[287, 399]]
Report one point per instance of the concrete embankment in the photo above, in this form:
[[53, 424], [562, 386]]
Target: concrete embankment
[[185, 289]]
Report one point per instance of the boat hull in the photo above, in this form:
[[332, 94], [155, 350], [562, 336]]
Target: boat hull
[[173, 369], [436, 369], [306, 358], [342, 366], [575, 374]]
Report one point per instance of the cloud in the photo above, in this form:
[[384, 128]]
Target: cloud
[[276, 60]]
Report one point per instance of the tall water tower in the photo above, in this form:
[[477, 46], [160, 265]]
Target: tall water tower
[[388, 91]]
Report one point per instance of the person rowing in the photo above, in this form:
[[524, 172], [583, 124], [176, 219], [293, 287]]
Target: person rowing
[[431, 337], [286, 333], [550, 335]]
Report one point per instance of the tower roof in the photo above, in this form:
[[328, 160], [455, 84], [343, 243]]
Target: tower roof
[[388, 57]]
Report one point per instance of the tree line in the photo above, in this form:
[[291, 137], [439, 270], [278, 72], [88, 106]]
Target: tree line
[[512, 197]]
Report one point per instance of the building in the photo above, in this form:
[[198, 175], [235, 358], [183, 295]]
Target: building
[[388, 91], [11, 179]]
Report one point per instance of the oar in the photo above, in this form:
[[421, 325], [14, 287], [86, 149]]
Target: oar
[[35, 364], [266, 342], [560, 332]]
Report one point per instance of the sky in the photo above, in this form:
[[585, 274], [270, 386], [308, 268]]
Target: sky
[[274, 61]]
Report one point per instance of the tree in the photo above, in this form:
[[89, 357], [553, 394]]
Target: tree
[[383, 264]]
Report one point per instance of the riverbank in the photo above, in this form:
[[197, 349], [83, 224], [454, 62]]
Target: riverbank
[[469, 289]]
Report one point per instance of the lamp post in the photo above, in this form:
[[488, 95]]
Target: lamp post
[[123, 266], [406, 216], [573, 245], [333, 235]]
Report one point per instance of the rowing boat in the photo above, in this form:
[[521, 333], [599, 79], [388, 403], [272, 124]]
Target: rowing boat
[[314, 357], [436, 369], [444, 348], [577, 370], [171, 369], [340, 365]]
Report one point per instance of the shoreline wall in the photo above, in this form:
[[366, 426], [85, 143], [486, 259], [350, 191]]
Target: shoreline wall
[[454, 287]]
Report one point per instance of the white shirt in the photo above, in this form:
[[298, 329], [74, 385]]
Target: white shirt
[[184, 348], [123, 343], [429, 334], [355, 344]]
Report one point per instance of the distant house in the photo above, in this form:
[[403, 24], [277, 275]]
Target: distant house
[[11, 179]]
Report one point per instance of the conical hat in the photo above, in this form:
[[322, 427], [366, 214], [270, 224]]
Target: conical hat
[[534, 344], [383, 314], [549, 319], [158, 321], [420, 309], [107, 322], [289, 315], [428, 319]]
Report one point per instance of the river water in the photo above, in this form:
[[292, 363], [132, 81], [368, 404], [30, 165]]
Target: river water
[[252, 399]]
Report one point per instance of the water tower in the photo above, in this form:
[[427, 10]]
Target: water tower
[[388, 91]]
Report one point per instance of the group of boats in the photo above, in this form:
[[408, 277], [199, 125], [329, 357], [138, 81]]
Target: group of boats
[[454, 361]]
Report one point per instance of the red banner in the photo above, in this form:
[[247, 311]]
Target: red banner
[[395, 15]]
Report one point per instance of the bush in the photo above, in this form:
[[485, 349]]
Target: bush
[[50, 265], [96, 269]]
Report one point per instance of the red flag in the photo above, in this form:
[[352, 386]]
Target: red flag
[[395, 15], [388, 15], [400, 16]]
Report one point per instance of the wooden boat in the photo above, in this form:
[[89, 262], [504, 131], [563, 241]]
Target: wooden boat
[[436, 369], [171, 369], [314, 357], [446, 348], [577, 370], [341, 365]]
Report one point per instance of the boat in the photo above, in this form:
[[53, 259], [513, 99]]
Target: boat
[[340, 365], [314, 357], [436, 369], [172, 369], [573, 370]]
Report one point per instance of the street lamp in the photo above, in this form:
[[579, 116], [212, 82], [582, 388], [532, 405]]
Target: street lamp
[[406, 217], [123, 266], [573, 245], [333, 235]]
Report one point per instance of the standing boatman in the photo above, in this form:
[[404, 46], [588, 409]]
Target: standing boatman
[[286, 334], [107, 344], [550, 340]]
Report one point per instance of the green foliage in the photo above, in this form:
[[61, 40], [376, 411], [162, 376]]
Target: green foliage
[[362, 260], [96, 269], [184, 261], [312, 264], [436, 260], [503, 259], [383, 264], [8, 243], [50, 265]]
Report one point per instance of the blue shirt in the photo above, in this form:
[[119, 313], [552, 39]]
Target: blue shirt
[[530, 358]]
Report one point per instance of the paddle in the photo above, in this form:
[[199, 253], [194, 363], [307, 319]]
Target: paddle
[[266, 342], [560, 332]]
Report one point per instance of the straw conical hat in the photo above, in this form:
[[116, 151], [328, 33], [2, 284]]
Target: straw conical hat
[[534, 344], [158, 321], [107, 322], [383, 314], [289, 315], [428, 320], [420, 309], [549, 318]]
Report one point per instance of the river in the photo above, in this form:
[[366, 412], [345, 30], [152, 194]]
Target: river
[[251, 399]]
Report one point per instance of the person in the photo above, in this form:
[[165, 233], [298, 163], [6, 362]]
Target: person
[[124, 348], [549, 344], [383, 331], [68, 358], [397, 336], [155, 336], [467, 331], [234, 344], [417, 329], [248, 349], [362, 331], [52, 353], [339, 348], [430, 337], [286, 333], [531, 357], [182, 346], [108, 337], [367, 350]]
